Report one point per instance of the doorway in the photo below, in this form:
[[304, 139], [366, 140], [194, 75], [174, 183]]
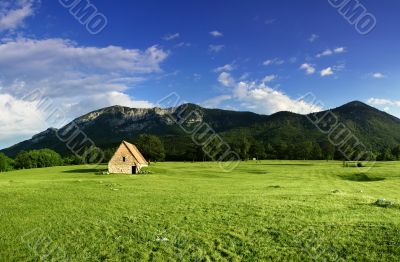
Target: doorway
[[134, 170]]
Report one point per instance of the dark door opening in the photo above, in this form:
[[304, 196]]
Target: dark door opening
[[134, 170]]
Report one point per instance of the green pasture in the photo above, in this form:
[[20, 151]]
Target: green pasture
[[268, 210]]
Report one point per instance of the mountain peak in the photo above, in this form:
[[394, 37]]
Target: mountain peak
[[356, 103]]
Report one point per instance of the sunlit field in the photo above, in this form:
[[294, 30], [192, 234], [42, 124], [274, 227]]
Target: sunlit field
[[268, 210]]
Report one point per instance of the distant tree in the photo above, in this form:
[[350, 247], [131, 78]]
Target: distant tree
[[151, 147], [93, 155], [270, 152], [108, 154], [328, 150], [386, 155], [257, 150], [72, 160], [316, 153], [245, 148], [282, 150], [396, 152], [24, 160], [190, 153], [6, 163], [303, 150], [38, 159]]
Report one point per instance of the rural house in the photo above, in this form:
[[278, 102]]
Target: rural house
[[126, 160]]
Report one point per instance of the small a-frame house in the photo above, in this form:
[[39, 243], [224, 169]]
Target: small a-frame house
[[126, 160]]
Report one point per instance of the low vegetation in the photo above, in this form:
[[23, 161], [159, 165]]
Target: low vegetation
[[6, 163], [37, 159], [268, 210]]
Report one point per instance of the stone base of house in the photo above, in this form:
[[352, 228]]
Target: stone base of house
[[124, 169]]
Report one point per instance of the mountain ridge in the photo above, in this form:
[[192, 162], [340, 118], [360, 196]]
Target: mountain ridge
[[110, 125]]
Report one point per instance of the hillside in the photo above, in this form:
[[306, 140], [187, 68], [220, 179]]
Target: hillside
[[108, 126]]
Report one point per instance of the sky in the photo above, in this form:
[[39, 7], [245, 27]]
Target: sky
[[57, 63]]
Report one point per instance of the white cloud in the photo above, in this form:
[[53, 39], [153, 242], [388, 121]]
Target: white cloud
[[313, 38], [383, 102], [60, 66], [19, 119], [216, 48], [263, 99], [14, 13], [329, 52], [257, 96], [339, 50], [269, 78], [226, 79], [216, 33], [227, 68], [216, 101], [309, 69], [378, 75], [77, 79], [387, 105], [275, 61], [170, 37], [326, 72]]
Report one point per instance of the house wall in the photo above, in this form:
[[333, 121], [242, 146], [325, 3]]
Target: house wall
[[118, 166]]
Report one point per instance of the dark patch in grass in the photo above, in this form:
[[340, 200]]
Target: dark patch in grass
[[83, 171], [275, 186], [361, 178], [257, 172], [384, 203], [288, 164]]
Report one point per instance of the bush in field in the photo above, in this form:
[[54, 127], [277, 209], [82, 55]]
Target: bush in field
[[6, 163], [38, 159]]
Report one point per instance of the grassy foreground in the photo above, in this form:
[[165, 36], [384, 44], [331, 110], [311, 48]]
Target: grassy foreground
[[269, 210]]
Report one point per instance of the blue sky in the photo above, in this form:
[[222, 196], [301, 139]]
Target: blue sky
[[258, 56]]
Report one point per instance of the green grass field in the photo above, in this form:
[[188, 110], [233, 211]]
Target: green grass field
[[269, 210]]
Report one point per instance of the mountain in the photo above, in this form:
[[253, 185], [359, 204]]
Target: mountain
[[107, 127]]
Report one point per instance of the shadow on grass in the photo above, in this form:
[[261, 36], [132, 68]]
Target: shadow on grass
[[84, 171], [258, 172], [361, 178], [288, 164]]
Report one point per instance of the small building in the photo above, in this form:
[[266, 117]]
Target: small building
[[126, 160]]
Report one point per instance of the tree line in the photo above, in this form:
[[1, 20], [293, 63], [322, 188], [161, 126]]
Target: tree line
[[151, 147], [155, 149]]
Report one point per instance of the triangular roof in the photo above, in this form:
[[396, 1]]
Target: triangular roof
[[135, 153]]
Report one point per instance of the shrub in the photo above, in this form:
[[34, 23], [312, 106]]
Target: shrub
[[144, 172], [6, 163], [38, 159]]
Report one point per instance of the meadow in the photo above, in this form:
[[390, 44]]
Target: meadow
[[268, 210]]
